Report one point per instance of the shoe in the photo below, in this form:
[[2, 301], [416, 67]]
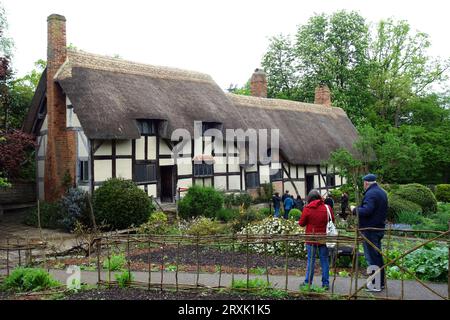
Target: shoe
[[373, 290]]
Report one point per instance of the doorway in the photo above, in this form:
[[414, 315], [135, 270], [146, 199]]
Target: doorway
[[309, 183], [167, 183]]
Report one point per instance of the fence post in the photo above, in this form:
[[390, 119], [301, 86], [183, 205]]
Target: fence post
[[99, 246], [7, 256], [448, 276]]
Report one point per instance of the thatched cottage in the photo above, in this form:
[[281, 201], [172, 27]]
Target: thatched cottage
[[97, 117]]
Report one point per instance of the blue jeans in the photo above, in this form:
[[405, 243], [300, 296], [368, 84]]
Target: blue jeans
[[286, 213], [324, 264], [371, 255], [277, 212]]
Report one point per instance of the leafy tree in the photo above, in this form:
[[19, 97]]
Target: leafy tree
[[16, 154]]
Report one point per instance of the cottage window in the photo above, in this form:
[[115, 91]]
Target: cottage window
[[147, 127], [277, 176], [203, 169], [84, 171], [145, 172], [210, 125], [331, 180], [252, 179]]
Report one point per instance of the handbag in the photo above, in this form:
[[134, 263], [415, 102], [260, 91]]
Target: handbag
[[331, 229]]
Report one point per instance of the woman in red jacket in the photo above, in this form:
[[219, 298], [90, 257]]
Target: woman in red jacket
[[315, 218]]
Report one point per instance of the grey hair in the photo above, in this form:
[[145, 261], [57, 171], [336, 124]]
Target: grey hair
[[371, 182], [314, 194]]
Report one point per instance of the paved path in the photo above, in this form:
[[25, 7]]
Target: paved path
[[412, 290]]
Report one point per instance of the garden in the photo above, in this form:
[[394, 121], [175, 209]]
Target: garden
[[126, 241]]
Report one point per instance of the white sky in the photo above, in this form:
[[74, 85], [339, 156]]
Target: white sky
[[224, 38]]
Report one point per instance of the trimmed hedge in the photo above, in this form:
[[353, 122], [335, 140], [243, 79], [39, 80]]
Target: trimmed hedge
[[420, 195], [200, 201], [120, 204], [397, 205], [443, 192]]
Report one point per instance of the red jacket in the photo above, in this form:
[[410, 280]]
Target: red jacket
[[315, 218]]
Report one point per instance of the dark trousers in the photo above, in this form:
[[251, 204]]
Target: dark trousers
[[372, 256]]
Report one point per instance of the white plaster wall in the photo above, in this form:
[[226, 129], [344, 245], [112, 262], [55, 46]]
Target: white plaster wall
[[253, 168], [166, 162], [140, 148], [301, 172], [151, 190], [220, 164], [151, 148], [293, 172], [301, 188], [198, 146], [102, 170], [220, 182], [218, 146], [233, 164], [42, 146], [208, 182], [184, 166], [234, 182], [208, 145], [163, 147], [264, 174], [105, 149], [45, 124], [41, 190], [82, 148], [41, 168], [311, 169], [199, 182], [124, 168], [123, 147], [72, 118]]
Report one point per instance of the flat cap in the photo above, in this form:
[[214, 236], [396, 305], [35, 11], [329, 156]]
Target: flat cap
[[370, 177]]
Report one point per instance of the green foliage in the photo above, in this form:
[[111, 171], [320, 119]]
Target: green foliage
[[4, 182], [295, 214], [264, 212], [202, 226], [227, 214], [398, 204], [304, 288], [443, 192], [420, 195], [258, 271], [120, 204], [157, 224], [115, 262], [50, 213], [124, 279], [248, 216], [255, 284], [200, 201], [409, 217], [336, 194], [29, 279], [237, 199]]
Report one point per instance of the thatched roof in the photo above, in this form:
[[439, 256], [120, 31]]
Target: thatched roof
[[109, 94]]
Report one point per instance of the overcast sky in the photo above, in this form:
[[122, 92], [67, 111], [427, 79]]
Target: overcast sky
[[224, 38]]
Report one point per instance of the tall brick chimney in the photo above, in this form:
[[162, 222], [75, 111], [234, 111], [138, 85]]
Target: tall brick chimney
[[258, 84], [322, 95], [60, 154]]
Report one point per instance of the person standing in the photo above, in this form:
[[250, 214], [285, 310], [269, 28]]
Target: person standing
[[276, 204], [344, 205], [372, 214], [329, 200], [299, 204], [288, 205], [315, 219], [285, 195]]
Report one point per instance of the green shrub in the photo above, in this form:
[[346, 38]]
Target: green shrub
[[242, 199], [29, 279], [115, 262], [50, 213], [295, 214], [200, 201], [120, 204], [124, 279], [443, 192], [336, 194], [157, 224], [411, 218], [255, 284], [420, 195], [397, 204], [247, 216], [227, 214], [265, 212], [202, 226], [429, 263]]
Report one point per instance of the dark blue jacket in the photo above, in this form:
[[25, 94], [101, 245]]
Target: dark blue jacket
[[373, 210], [276, 201]]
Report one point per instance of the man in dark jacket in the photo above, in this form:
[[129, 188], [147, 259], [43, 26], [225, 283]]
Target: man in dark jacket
[[276, 204], [372, 214]]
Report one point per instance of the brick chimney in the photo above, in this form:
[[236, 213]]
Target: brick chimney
[[258, 84], [60, 154], [322, 95]]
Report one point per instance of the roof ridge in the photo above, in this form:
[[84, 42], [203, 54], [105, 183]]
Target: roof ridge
[[282, 104], [89, 60]]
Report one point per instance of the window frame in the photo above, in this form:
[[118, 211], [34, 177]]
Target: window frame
[[148, 174], [83, 171], [209, 172], [257, 180]]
